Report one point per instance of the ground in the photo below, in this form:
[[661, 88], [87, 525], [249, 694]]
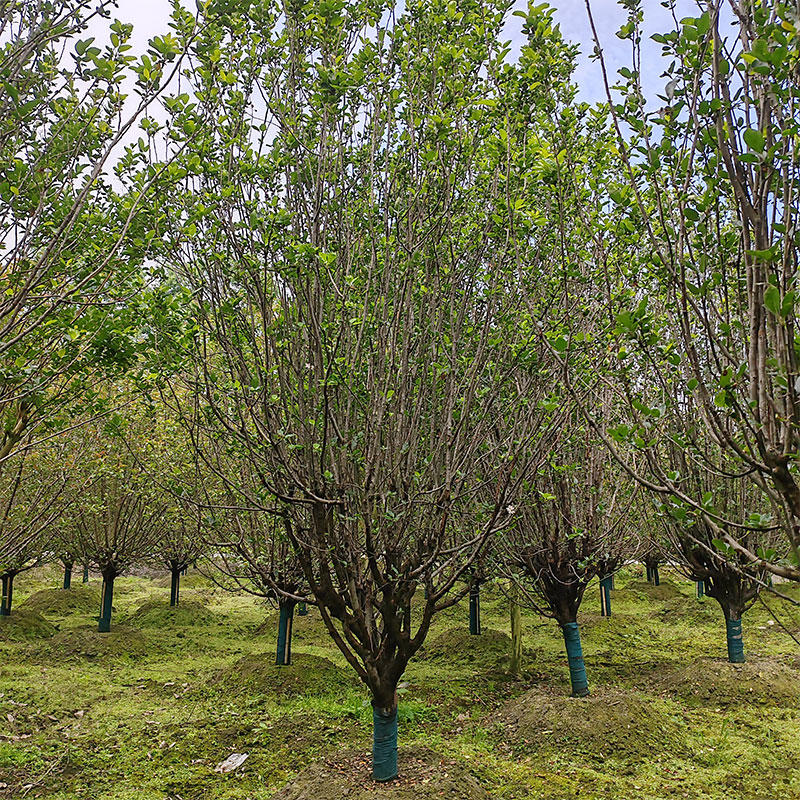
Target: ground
[[150, 710]]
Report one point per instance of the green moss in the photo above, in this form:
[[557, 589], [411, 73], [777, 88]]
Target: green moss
[[490, 649], [79, 599], [156, 613], [610, 723], [84, 642], [762, 681], [24, 625], [307, 674], [148, 715]]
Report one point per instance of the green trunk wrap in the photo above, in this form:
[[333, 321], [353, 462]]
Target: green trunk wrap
[[302, 610], [735, 643], [384, 745], [577, 669], [175, 588], [700, 590], [8, 588], [86, 574], [283, 655], [105, 605], [605, 596], [475, 609], [649, 574], [67, 575], [656, 579]]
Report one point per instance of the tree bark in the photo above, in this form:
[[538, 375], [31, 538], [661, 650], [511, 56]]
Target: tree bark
[[86, 573], [68, 574]]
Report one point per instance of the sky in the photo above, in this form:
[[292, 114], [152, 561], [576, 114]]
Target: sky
[[150, 18]]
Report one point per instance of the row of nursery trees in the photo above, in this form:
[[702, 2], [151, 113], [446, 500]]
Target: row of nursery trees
[[114, 497], [371, 311]]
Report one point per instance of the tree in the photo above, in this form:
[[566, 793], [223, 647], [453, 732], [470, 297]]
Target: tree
[[255, 550], [360, 347], [697, 330], [570, 528], [120, 516], [32, 500], [727, 575], [72, 287]]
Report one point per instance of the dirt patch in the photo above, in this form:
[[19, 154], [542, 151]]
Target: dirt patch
[[721, 683], [306, 675], [666, 590], [85, 642], [24, 625], [159, 614], [61, 602], [424, 775], [489, 650], [610, 723]]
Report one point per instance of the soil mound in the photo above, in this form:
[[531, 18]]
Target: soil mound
[[24, 625], [61, 602], [306, 675], [424, 775], [721, 683], [666, 590], [86, 642], [159, 614], [610, 723], [488, 650]]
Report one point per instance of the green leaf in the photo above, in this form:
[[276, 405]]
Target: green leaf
[[772, 300], [754, 140]]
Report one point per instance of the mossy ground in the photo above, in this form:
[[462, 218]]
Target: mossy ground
[[148, 711]]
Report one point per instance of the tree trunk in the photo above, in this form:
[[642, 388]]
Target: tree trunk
[[577, 669], [656, 579], [733, 631], [284, 652], [515, 667], [649, 570], [105, 603], [175, 587], [8, 595], [86, 573], [68, 574], [700, 590], [605, 596], [384, 742], [475, 609]]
